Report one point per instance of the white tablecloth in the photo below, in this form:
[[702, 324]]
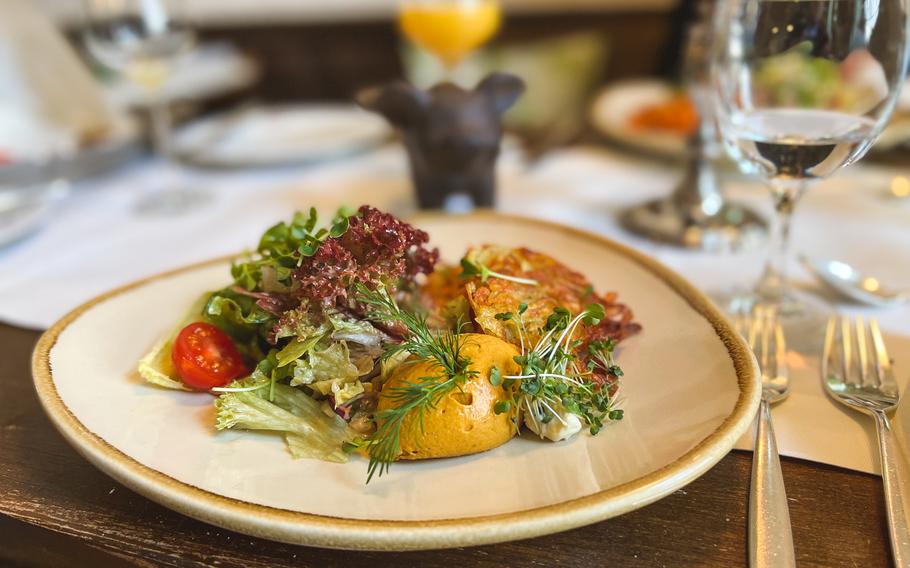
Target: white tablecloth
[[94, 242]]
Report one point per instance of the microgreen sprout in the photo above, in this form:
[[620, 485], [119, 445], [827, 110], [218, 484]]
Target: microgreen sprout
[[284, 246], [471, 269], [495, 376], [552, 382]]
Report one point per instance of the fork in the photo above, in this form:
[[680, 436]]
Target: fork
[[860, 376], [770, 535]]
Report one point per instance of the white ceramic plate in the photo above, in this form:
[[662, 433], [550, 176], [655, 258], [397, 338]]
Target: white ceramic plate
[[690, 390], [24, 211], [118, 146], [615, 106], [270, 136]]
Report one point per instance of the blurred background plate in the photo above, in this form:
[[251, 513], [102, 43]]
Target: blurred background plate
[[615, 107], [22, 221], [25, 206], [269, 136], [121, 144]]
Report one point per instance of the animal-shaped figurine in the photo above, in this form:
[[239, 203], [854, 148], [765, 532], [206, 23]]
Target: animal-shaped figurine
[[451, 134]]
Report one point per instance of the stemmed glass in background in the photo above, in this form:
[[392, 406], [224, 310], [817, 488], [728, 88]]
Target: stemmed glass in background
[[696, 213], [141, 40], [449, 29], [803, 88]]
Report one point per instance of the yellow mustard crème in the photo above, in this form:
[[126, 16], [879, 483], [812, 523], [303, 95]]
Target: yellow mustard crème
[[464, 421]]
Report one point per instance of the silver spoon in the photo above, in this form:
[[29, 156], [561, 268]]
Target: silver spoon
[[851, 283]]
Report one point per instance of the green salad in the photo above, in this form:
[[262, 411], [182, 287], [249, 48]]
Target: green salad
[[320, 316]]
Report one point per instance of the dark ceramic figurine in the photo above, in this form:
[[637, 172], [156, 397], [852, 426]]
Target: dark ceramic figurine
[[452, 135]]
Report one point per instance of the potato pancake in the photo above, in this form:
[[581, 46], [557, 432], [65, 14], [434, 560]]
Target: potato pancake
[[558, 286]]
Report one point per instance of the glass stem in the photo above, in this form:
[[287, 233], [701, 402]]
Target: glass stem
[[773, 285], [160, 117]]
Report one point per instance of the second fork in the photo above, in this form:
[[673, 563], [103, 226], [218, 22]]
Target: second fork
[[770, 534], [858, 373]]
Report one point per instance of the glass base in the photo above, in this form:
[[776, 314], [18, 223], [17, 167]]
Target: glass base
[[170, 202], [731, 228], [803, 316]]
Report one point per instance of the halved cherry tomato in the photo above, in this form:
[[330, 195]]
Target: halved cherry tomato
[[205, 357]]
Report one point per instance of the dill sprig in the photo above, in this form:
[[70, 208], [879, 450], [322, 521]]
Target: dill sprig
[[441, 348], [418, 395], [420, 340]]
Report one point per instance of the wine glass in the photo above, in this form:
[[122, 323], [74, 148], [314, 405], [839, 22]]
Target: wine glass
[[449, 29], [141, 40], [803, 88]]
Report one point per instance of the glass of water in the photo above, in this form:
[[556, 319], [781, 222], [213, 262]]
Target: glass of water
[[803, 88], [142, 40]]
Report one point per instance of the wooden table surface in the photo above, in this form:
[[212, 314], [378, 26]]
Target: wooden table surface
[[58, 510]]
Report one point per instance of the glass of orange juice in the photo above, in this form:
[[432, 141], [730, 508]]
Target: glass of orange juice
[[450, 29]]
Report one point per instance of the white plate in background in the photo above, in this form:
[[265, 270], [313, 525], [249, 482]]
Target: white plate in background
[[270, 136], [615, 106]]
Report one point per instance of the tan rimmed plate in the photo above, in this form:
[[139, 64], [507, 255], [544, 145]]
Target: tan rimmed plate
[[690, 391], [613, 109]]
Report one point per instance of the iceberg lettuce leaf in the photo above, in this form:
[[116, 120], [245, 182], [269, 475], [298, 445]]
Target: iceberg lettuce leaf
[[308, 430], [354, 331], [297, 348], [156, 366], [331, 363], [302, 447], [341, 392]]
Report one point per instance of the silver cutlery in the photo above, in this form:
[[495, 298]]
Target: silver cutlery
[[856, 371], [848, 281], [770, 535]]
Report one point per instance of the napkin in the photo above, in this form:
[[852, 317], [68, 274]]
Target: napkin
[[49, 102], [811, 426], [901, 424], [595, 184]]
